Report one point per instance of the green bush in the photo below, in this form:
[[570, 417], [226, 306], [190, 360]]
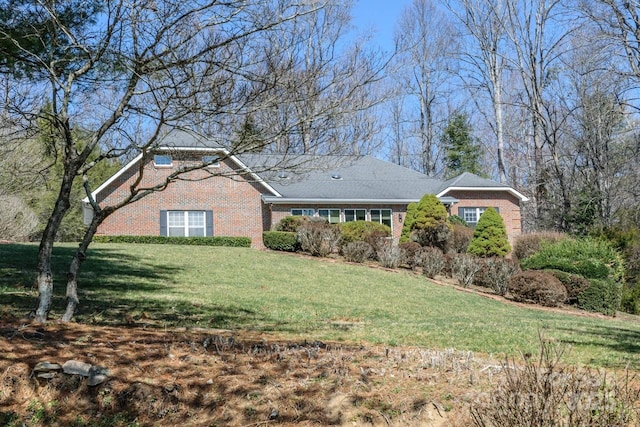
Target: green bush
[[409, 219], [490, 236], [457, 220], [574, 283], [593, 259], [291, 223], [359, 231], [602, 296], [431, 226], [530, 243], [237, 242], [281, 240], [630, 299]]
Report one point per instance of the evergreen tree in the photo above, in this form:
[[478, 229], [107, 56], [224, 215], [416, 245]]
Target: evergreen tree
[[490, 236], [431, 226], [462, 151], [409, 219]]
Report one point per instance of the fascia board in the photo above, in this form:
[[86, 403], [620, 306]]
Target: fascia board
[[316, 201], [519, 195]]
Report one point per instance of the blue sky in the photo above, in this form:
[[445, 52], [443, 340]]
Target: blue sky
[[380, 16]]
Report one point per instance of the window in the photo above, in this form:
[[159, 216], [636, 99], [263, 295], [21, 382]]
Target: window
[[355, 215], [331, 215], [212, 161], [383, 216], [162, 160], [302, 212], [186, 223], [472, 215]]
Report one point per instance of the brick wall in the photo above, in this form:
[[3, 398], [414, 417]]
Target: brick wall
[[235, 202], [508, 206]]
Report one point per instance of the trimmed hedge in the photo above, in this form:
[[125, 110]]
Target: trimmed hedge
[[602, 296], [537, 287], [281, 240], [236, 242]]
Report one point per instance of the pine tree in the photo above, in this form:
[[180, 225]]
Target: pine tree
[[431, 226], [462, 151], [490, 236]]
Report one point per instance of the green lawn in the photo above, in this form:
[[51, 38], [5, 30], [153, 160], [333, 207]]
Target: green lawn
[[313, 299]]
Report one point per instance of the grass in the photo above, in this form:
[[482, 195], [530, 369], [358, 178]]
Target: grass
[[312, 299]]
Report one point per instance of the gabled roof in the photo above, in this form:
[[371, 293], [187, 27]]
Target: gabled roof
[[470, 181], [327, 179]]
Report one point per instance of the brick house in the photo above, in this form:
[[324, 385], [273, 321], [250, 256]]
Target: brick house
[[248, 194]]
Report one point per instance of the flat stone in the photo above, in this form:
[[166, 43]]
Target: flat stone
[[46, 375], [74, 367], [97, 375], [46, 367]]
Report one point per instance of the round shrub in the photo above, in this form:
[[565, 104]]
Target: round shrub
[[359, 231], [291, 223], [537, 287], [530, 243], [409, 251], [593, 259], [630, 299], [494, 273], [319, 238], [281, 240], [431, 226], [574, 283], [357, 251], [389, 256], [602, 296], [490, 236], [460, 238], [431, 260]]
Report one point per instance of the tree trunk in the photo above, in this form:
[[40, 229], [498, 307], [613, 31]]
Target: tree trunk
[[44, 268]]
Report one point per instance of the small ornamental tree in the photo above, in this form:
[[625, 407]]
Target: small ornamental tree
[[490, 236], [409, 219], [431, 226]]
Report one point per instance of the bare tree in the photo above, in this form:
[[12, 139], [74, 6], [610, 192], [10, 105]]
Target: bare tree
[[125, 71], [484, 59], [424, 39]]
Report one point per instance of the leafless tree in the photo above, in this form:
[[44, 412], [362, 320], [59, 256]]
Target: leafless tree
[[127, 70]]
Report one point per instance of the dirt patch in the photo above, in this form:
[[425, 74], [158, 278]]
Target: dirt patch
[[204, 378]]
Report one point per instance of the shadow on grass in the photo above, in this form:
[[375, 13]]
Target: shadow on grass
[[114, 287], [614, 338]]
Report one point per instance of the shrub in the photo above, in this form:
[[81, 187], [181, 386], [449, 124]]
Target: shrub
[[494, 273], [291, 223], [573, 283], [379, 240], [359, 231], [17, 220], [630, 299], [409, 251], [602, 296], [460, 238], [389, 256], [544, 392], [409, 219], [319, 238], [528, 244], [632, 263], [490, 236], [537, 287], [464, 268], [281, 240], [357, 251], [593, 259], [431, 260], [238, 242], [431, 226], [457, 220]]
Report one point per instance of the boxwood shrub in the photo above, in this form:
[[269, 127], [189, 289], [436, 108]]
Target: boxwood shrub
[[237, 242], [281, 240], [602, 296]]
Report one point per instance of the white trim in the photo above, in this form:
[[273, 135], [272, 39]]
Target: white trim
[[311, 201], [519, 195]]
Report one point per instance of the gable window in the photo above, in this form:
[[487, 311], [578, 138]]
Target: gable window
[[331, 215], [382, 216], [355, 215], [472, 215], [302, 212], [211, 161], [186, 223], [163, 160]]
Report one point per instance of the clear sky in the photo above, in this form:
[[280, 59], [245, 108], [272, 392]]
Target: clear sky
[[379, 16]]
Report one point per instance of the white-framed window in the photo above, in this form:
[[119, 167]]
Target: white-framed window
[[355, 215], [162, 160], [472, 215], [211, 161], [302, 212], [331, 215], [383, 216], [186, 223]]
